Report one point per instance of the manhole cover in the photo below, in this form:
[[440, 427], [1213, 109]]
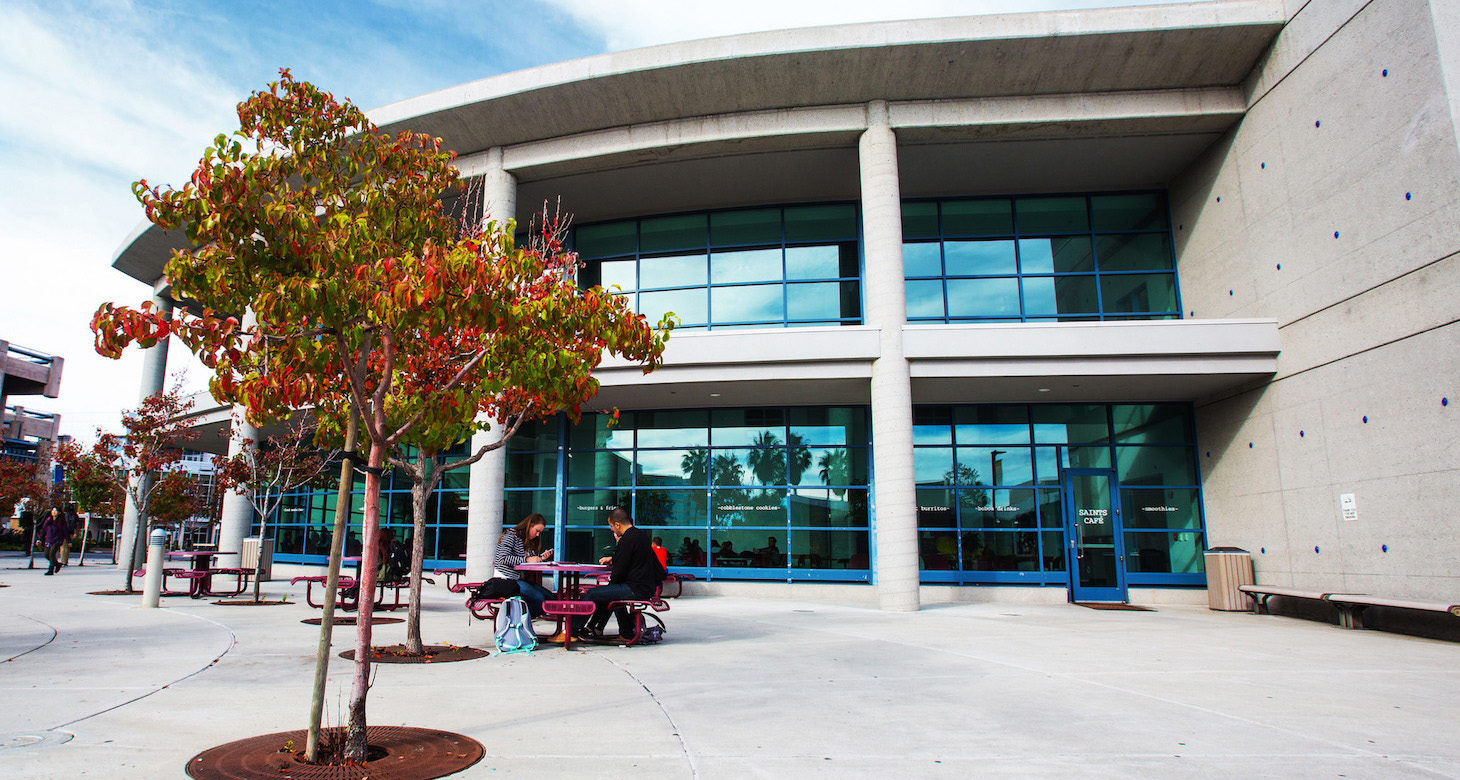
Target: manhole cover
[[396, 753], [33, 740]]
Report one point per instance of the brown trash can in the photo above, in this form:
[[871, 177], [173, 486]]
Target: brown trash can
[[1227, 568]]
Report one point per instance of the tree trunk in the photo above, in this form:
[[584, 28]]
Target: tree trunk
[[139, 540], [331, 590], [420, 493], [355, 746], [259, 564]]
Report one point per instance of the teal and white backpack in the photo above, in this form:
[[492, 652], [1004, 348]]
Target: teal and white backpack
[[514, 627]]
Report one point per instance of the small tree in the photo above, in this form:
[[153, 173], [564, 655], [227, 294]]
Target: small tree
[[90, 481], [18, 482], [365, 296], [264, 471], [139, 463]]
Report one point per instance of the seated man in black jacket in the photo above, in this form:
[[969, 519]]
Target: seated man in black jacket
[[635, 573]]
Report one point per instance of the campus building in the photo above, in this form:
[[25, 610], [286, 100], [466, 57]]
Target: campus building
[[1035, 306]]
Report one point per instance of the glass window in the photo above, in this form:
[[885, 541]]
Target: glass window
[[600, 468], [689, 305], [828, 466], [748, 303], [935, 508], [1134, 252], [979, 258], [920, 220], [738, 507], [1175, 508], [933, 466], [999, 509], [517, 504], [1156, 465], [1070, 423], [738, 228], [813, 262], [1051, 215], [922, 259], [754, 265], [1000, 550], [924, 298], [829, 549], [1146, 211], [992, 424], [821, 223], [674, 271], [983, 298], [534, 469], [667, 234], [673, 429], [1046, 296], [1151, 423], [671, 507], [932, 425], [618, 273], [615, 238], [938, 550], [814, 301], [1056, 255], [978, 218], [1138, 292], [991, 466], [829, 425], [1162, 552], [817, 508]]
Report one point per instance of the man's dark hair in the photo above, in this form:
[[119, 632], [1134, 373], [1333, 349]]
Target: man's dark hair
[[620, 515]]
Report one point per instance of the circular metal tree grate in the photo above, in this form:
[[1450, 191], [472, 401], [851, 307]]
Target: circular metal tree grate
[[435, 654], [396, 753], [350, 620]]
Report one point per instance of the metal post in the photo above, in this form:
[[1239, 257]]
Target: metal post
[[152, 584]]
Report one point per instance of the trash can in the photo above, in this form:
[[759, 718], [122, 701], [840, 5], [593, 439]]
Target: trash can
[[1227, 568], [258, 557]]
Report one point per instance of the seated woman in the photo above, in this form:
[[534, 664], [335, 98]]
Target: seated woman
[[519, 544]]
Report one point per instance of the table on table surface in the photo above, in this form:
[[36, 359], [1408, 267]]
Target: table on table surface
[[202, 560], [570, 585]]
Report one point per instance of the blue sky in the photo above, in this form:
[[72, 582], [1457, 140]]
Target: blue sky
[[98, 94]]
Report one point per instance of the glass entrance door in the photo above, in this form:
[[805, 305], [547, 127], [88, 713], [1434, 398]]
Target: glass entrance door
[[1097, 556]]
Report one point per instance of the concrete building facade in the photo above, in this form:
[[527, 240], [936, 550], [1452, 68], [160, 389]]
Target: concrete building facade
[[1177, 276]]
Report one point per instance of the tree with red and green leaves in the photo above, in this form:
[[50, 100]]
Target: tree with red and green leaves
[[265, 470], [90, 482], [18, 482], [140, 462], [364, 296]]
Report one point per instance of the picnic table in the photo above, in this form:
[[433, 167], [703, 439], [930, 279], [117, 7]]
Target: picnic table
[[200, 573], [347, 597], [569, 601]]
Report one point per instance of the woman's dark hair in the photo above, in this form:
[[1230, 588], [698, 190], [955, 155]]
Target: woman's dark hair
[[530, 544]]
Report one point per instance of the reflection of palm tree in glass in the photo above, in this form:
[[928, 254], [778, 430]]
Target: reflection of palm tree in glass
[[768, 460], [834, 470], [726, 470], [800, 457], [696, 465]]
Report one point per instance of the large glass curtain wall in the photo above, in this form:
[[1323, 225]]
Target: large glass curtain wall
[[793, 266], [1039, 259], [767, 493], [991, 506]]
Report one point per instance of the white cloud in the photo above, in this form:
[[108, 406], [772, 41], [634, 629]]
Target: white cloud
[[629, 24]]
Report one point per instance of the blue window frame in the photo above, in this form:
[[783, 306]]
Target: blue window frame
[[1045, 258], [783, 266]]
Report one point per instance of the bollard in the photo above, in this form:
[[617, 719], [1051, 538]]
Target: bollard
[[152, 584]]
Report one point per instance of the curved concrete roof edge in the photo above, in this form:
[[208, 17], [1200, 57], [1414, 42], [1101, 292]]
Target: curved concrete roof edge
[[847, 36]]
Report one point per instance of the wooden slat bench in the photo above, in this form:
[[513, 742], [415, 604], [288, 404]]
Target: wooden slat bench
[[1261, 593], [1351, 606]]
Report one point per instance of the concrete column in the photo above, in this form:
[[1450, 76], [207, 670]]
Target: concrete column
[[154, 378], [484, 487], [236, 515], [894, 495]]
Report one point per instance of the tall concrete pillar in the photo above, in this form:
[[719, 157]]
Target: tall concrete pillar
[[236, 515], [488, 475], [154, 379], [894, 495]]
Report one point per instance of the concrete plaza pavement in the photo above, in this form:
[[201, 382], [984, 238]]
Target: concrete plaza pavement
[[94, 686]]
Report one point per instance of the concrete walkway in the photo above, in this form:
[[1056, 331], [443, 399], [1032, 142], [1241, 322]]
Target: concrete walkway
[[94, 686]]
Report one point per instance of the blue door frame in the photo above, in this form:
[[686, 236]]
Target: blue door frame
[[1095, 531]]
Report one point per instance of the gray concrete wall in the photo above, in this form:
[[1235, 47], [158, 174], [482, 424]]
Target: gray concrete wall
[[1333, 208]]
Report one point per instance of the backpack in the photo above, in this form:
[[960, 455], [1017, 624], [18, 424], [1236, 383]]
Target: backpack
[[398, 563], [514, 627]]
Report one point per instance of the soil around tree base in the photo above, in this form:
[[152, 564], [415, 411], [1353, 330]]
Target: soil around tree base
[[435, 654], [395, 753]]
